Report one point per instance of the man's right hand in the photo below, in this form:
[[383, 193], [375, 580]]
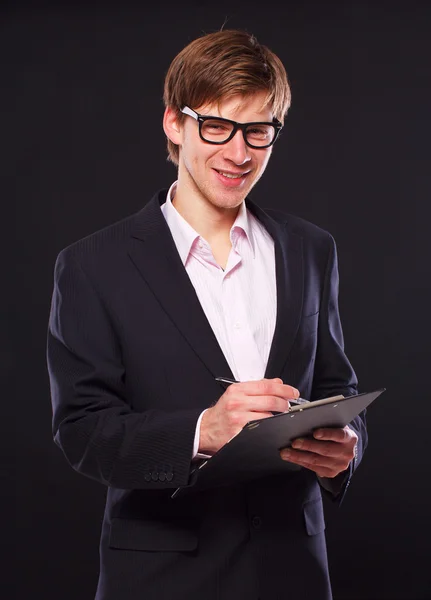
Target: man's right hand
[[241, 403]]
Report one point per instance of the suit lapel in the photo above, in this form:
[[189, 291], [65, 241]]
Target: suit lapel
[[153, 251], [289, 275]]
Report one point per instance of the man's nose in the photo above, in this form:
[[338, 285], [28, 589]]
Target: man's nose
[[236, 150]]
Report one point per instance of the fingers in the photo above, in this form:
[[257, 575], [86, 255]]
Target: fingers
[[262, 392], [237, 401], [326, 457], [340, 435], [254, 416], [241, 403], [269, 404], [329, 449], [323, 466], [312, 459], [267, 387], [264, 395], [342, 448]]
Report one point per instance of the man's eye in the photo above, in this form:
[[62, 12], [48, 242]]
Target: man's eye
[[211, 126], [259, 132]]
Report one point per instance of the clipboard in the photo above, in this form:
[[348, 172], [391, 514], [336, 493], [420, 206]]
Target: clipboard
[[255, 451]]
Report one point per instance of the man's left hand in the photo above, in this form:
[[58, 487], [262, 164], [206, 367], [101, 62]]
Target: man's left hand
[[328, 454]]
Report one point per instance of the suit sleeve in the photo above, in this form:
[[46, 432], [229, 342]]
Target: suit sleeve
[[333, 372], [93, 422]]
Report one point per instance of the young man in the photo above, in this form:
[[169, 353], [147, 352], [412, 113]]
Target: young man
[[202, 283]]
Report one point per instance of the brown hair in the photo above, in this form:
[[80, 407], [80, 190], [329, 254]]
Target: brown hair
[[222, 64]]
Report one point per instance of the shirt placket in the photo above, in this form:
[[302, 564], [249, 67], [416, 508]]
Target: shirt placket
[[243, 347]]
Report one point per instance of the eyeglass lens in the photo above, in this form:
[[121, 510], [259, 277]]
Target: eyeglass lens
[[215, 130]]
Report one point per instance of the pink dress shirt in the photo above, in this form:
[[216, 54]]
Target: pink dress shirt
[[240, 301]]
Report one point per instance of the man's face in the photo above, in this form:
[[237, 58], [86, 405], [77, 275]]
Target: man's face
[[223, 175]]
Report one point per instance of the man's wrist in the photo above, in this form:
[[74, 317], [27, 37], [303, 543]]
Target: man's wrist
[[198, 451]]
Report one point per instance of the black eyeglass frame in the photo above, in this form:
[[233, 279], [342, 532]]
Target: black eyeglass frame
[[242, 126]]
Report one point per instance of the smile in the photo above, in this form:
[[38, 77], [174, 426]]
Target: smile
[[231, 175]]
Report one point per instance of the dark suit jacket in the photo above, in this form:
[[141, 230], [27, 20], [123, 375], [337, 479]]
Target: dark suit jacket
[[132, 361]]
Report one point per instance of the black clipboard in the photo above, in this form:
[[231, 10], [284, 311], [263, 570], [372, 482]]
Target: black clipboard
[[254, 451]]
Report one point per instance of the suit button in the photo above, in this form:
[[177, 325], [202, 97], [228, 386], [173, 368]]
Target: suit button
[[162, 476], [155, 476], [147, 476], [169, 475], [256, 522]]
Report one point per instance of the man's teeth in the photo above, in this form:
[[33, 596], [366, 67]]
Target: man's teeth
[[230, 175]]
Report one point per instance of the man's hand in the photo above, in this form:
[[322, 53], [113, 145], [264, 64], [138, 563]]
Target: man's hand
[[330, 453], [241, 403]]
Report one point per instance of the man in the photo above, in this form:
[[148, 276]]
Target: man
[[199, 284]]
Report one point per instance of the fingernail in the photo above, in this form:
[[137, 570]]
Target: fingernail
[[298, 443], [318, 434]]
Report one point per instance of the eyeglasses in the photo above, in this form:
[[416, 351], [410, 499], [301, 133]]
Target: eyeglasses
[[216, 130]]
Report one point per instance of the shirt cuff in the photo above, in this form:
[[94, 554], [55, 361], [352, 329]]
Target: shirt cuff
[[196, 454]]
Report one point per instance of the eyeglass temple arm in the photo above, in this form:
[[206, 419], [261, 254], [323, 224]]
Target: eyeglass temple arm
[[188, 111]]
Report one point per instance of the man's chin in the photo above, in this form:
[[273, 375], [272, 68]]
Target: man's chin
[[228, 200], [230, 197]]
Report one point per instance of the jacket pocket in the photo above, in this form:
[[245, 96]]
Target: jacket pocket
[[152, 536], [313, 516]]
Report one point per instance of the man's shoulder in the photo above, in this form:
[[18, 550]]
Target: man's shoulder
[[114, 238], [102, 241], [299, 226]]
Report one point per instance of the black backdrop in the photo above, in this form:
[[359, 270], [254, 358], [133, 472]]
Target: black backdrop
[[84, 147]]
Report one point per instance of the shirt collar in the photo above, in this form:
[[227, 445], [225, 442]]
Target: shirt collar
[[241, 226], [185, 236], [183, 233]]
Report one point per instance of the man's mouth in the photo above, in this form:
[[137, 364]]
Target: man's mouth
[[231, 175]]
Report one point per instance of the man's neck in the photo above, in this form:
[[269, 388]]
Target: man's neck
[[211, 222]]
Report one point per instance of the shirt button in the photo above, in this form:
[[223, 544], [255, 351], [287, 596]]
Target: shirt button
[[256, 522]]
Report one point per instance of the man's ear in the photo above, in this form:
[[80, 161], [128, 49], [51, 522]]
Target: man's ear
[[171, 125]]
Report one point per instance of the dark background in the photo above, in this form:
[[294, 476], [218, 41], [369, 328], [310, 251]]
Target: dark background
[[84, 147]]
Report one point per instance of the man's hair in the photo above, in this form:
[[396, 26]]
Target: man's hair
[[219, 65]]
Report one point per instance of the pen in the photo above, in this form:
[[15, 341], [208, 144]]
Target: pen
[[226, 380], [295, 401]]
